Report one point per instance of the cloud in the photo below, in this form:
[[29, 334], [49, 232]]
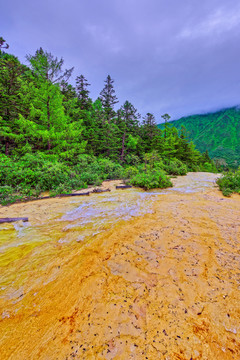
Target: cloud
[[220, 21], [170, 56], [99, 34]]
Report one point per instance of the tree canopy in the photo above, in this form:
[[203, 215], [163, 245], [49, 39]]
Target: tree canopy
[[45, 116]]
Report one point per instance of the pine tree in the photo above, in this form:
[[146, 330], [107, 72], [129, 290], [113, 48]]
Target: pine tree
[[94, 133], [149, 132], [166, 118], [48, 68], [183, 145], [206, 157], [48, 105], [11, 72], [170, 144], [108, 98], [128, 123], [68, 91], [83, 92]]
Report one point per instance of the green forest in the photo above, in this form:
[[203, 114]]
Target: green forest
[[54, 137], [218, 133]]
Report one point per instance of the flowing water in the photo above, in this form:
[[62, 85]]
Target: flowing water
[[74, 220], [72, 254]]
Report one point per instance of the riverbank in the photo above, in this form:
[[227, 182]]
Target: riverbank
[[163, 285]]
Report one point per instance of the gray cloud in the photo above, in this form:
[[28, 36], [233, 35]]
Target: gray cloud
[[173, 56]]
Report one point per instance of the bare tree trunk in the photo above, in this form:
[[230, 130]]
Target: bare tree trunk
[[123, 148], [48, 117], [7, 148]]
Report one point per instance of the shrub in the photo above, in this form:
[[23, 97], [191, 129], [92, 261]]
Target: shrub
[[129, 172], [61, 189], [227, 192], [111, 169], [175, 167], [229, 183], [193, 167], [151, 180], [7, 195], [208, 167], [89, 178], [132, 159]]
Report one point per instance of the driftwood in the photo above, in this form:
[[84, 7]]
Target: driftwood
[[100, 190], [74, 194], [8, 220], [123, 186], [60, 195]]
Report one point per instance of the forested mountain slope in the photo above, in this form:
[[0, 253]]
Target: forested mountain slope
[[217, 132]]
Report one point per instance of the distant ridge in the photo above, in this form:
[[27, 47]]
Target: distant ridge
[[218, 132]]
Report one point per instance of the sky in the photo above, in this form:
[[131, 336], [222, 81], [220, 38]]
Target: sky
[[165, 56]]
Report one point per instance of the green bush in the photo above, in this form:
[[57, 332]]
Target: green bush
[[107, 168], [7, 195], [32, 174], [132, 159], [193, 167], [227, 192], [175, 167], [89, 178], [229, 183], [151, 180], [129, 172], [208, 167], [61, 189]]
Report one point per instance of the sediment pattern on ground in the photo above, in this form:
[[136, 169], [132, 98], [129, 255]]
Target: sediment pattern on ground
[[163, 285]]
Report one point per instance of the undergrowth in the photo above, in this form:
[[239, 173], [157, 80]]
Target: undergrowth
[[229, 183]]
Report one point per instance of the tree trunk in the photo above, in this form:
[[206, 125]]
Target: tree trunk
[[7, 148], [123, 149], [48, 117], [123, 186], [8, 220]]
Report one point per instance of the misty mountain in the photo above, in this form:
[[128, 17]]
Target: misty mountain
[[217, 132]]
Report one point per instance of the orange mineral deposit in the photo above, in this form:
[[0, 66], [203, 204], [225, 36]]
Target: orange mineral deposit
[[123, 275]]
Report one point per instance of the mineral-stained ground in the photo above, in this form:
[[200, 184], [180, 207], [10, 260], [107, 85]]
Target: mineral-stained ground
[[162, 285]]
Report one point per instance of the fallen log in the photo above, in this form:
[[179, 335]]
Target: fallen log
[[100, 190], [60, 195], [8, 220], [74, 194], [49, 197], [123, 186]]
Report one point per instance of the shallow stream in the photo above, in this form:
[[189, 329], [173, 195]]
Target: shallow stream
[[124, 274], [57, 224]]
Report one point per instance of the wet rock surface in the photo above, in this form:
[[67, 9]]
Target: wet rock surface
[[163, 284]]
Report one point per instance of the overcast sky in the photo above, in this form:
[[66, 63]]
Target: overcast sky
[[180, 57]]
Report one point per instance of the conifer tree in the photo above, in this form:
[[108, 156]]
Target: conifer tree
[[170, 144], [206, 157], [48, 67], [11, 72], [183, 145], [68, 91], [83, 92], [166, 118], [94, 133], [108, 98], [128, 123], [48, 105], [149, 132]]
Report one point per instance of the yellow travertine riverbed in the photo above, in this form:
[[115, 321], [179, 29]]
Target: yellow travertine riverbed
[[123, 275]]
